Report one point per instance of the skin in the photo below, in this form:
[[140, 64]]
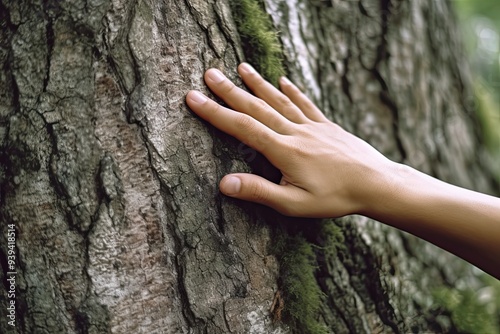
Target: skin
[[328, 172]]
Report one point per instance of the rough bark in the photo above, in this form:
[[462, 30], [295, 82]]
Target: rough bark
[[111, 183]]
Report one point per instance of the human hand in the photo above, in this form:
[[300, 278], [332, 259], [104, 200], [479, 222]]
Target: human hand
[[327, 172]]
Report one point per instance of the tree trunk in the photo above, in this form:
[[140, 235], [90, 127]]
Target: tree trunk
[[109, 182]]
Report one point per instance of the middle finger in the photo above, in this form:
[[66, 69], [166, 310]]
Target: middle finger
[[242, 101]]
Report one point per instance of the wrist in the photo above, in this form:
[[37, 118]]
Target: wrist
[[387, 187]]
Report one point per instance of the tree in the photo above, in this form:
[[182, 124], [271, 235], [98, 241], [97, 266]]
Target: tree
[[109, 183]]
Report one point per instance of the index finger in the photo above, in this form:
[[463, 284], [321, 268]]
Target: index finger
[[239, 125]]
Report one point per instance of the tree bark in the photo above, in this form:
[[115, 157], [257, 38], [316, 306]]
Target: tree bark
[[110, 182]]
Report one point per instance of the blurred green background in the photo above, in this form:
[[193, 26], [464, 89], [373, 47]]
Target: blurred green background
[[479, 21]]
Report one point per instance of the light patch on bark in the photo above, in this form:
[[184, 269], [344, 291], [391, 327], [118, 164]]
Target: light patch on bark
[[260, 323], [297, 50]]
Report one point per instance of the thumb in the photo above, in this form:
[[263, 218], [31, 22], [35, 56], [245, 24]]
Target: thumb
[[253, 188]]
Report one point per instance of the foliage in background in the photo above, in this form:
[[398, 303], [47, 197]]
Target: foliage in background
[[472, 311], [486, 8], [260, 40], [479, 311], [480, 23], [488, 116]]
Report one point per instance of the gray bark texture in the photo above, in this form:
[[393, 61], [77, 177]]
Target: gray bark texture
[[111, 182]]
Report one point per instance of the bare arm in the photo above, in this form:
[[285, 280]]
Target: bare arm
[[462, 221], [328, 172]]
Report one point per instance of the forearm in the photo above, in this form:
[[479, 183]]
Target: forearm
[[461, 221]]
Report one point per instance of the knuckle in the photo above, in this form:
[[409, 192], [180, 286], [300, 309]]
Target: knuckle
[[217, 109], [255, 137], [285, 101], [300, 151], [287, 107], [262, 138], [289, 111], [245, 123], [227, 87], [258, 192], [259, 105]]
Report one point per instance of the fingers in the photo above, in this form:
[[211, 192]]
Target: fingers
[[275, 98], [301, 100], [285, 199], [239, 125], [245, 102]]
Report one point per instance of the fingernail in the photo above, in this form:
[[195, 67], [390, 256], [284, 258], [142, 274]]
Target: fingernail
[[245, 67], [198, 97], [285, 81], [216, 76], [231, 185]]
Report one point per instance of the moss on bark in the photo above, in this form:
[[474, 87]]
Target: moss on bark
[[260, 40]]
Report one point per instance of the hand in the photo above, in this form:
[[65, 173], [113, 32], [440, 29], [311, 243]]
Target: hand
[[327, 172]]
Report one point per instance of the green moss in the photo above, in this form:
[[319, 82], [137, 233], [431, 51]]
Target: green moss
[[301, 293], [297, 246], [469, 313], [260, 41], [333, 239]]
